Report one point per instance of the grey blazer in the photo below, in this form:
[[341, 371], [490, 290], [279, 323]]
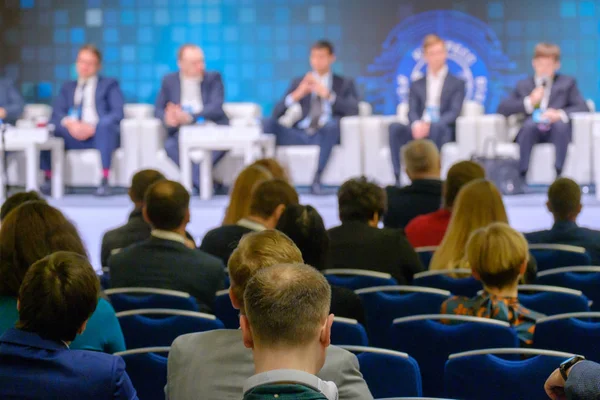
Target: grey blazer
[[214, 366]]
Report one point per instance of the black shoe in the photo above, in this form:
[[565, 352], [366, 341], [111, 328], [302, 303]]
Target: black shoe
[[46, 187], [316, 188], [103, 190], [558, 173]]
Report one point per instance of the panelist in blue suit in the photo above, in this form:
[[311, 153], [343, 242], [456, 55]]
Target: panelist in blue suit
[[57, 297], [434, 104], [11, 102], [313, 105], [547, 99], [190, 96], [87, 114]]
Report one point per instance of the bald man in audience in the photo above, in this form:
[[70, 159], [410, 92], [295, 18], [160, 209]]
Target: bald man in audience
[[423, 195]]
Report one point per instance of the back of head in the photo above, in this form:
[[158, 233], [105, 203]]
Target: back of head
[[479, 203], [239, 198], [140, 183], [29, 233], [422, 159], [564, 199], [359, 199], [287, 304], [497, 253], [269, 195], [305, 227], [459, 175], [16, 200], [59, 293], [255, 251], [166, 205], [277, 171]]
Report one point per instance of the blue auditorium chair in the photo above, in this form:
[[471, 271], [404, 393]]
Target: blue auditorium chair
[[552, 300], [388, 373], [124, 299], [354, 279], [347, 331], [430, 342], [481, 374], [224, 310], [426, 254], [160, 327], [147, 369], [577, 333], [384, 304], [550, 256], [443, 279], [585, 279]]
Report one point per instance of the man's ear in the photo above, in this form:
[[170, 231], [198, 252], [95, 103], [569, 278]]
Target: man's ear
[[549, 206], [18, 305], [325, 336], [82, 328], [523, 268], [246, 332], [278, 211], [188, 216], [579, 208], [145, 214], [475, 274], [234, 301]]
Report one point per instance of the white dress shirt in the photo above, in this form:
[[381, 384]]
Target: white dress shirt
[[435, 84], [191, 95], [89, 114], [168, 235], [530, 108], [327, 81]]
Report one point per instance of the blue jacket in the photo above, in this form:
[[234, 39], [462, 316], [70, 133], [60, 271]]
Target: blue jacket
[[584, 381], [11, 100], [35, 368], [567, 232], [213, 96], [451, 101], [109, 102]]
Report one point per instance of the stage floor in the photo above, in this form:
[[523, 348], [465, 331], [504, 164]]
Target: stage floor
[[93, 216]]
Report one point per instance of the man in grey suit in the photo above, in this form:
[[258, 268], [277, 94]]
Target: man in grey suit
[[214, 365], [11, 102]]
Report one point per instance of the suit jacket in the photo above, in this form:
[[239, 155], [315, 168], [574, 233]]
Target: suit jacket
[[166, 264], [423, 196], [584, 381], [213, 96], [134, 231], [35, 368], [222, 241], [217, 364], [357, 245], [11, 100], [346, 101], [109, 102], [451, 101], [564, 95], [565, 232]]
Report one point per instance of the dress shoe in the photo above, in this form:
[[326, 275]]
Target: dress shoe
[[316, 188], [103, 190], [46, 187]]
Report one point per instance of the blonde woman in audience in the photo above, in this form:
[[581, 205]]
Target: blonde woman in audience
[[239, 198], [276, 169]]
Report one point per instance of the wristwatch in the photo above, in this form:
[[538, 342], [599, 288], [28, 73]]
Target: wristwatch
[[565, 365]]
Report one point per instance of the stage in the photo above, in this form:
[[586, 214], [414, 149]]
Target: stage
[[93, 216]]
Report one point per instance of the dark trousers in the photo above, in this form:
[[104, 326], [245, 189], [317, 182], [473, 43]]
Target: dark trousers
[[326, 138], [106, 140], [401, 134], [529, 135]]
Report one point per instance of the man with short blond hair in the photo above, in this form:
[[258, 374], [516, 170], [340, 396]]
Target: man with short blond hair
[[217, 364]]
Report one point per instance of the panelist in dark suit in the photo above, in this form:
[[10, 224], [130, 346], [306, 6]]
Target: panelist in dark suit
[[313, 105], [190, 96], [11, 102], [164, 261], [58, 295], [87, 114], [434, 103], [547, 99]]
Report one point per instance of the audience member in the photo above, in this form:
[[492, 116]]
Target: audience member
[[287, 325], [267, 202], [276, 169], [56, 300], [581, 381], [29, 233], [164, 261], [429, 229], [424, 194], [305, 227], [359, 244], [564, 202], [217, 364], [498, 257], [16, 200], [239, 198]]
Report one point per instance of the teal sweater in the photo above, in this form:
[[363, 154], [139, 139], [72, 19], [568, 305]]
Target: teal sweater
[[103, 332]]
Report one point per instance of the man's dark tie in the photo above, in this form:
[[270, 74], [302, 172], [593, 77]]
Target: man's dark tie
[[315, 112], [80, 106]]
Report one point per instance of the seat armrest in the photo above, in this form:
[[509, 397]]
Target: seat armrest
[[152, 134]]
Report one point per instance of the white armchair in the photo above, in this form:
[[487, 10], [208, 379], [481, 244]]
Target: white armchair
[[377, 157]]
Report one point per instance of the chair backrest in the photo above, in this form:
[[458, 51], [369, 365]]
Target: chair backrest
[[584, 278], [552, 300], [147, 369], [159, 327], [430, 341], [484, 375], [224, 310], [347, 331], [443, 279], [124, 299], [388, 373], [426, 254], [364, 109], [33, 111], [242, 110], [138, 111], [384, 304], [358, 278], [577, 333], [550, 256]]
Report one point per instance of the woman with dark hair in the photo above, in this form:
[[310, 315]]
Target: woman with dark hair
[[29, 233], [304, 225]]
